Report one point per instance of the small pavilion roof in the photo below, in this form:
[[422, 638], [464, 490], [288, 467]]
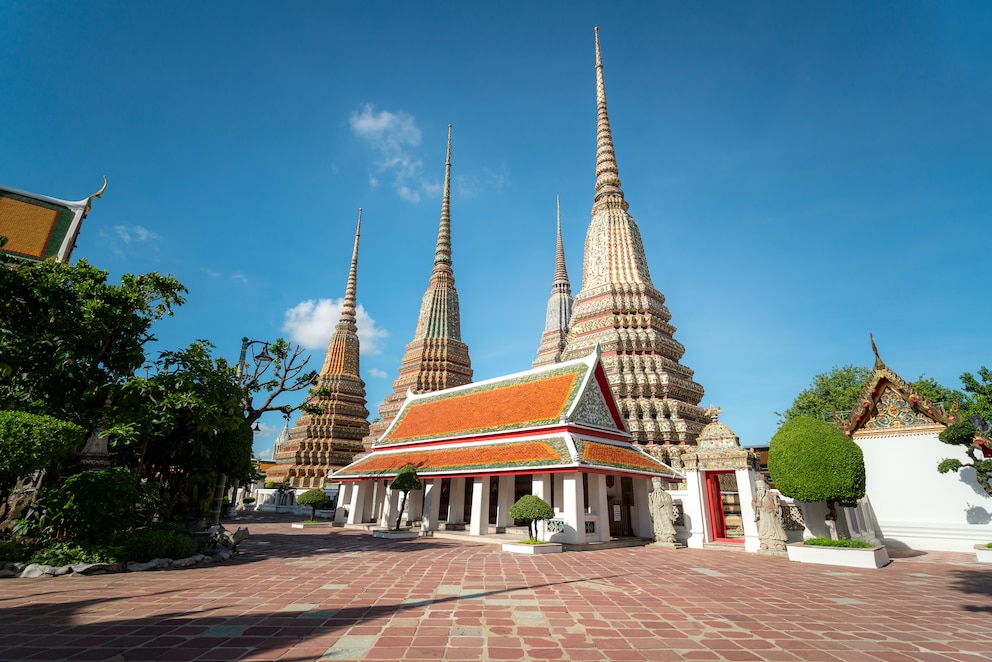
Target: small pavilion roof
[[38, 227], [548, 395], [559, 417]]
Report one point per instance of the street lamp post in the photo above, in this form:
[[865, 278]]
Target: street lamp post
[[221, 485]]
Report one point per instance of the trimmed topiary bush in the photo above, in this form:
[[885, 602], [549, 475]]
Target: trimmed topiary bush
[[531, 508], [810, 460], [406, 481], [315, 499]]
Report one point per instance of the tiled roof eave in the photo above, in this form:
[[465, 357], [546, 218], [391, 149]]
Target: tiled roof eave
[[502, 436]]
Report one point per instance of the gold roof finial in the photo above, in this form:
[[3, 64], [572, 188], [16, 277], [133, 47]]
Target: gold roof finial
[[98, 194], [878, 359]]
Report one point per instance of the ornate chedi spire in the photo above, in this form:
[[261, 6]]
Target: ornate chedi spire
[[621, 309], [436, 358], [559, 308], [331, 437]]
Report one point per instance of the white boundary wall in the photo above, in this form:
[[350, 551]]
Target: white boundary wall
[[916, 507]]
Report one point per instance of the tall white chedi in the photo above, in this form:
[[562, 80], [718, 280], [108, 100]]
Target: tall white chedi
[[619, 308]]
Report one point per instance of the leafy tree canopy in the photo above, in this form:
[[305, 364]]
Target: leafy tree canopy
[[406, 480], [963, 434], [314, 498], [184, 424], [68, 337]]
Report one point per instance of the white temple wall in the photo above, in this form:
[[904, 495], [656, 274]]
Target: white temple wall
[[916, 507], [695, 517], [641, 512]]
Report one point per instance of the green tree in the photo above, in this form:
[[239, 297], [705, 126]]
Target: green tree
[[315, 499], [963, 434], [29, 442], [979, 391], [406, 481], [267, 381], [531, 509], [831, 396], [68, 337], [182, 426], [810, 460]]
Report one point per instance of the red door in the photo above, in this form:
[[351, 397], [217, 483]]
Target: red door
[[724, 504]]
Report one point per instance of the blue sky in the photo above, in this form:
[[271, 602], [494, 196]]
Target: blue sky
[[802, 173]]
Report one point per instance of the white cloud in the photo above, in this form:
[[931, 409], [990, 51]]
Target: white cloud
[[135, 233], [238, 276], [379, 374], [266, 454], [393, 135], [311, 323]]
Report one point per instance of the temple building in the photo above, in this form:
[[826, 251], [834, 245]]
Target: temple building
[[37, 227], [559, 311], [436, 358], [620, 309], [324, 441], [554, 431]]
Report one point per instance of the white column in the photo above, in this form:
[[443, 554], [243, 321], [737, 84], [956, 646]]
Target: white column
[[505, 500], [573, 512], [694, 511], [432, 489], [344, 498], [456, 501], [415, 506], [541, 487], [643, 528], [745, 491], [598, 505], [390, 507], [359, 498], [479, 525]]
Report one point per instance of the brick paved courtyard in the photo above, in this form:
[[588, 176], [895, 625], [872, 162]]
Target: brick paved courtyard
[[340, 594]]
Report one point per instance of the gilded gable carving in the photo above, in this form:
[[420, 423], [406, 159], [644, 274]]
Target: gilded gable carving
[[895, 412]]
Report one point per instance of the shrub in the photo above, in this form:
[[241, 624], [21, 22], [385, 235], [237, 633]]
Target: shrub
[[94, 505], [531, 508], [15, 550], [315, 499], [70, 552], [843, 542], [270, 485], [147, 544], [248, 500], [28, 442], [810, 460]]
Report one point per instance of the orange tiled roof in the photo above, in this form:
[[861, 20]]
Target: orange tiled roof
[[617, 457], [507, 455], [507, 404]]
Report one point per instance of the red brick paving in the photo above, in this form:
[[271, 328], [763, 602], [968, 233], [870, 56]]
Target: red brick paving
[[337, 594]]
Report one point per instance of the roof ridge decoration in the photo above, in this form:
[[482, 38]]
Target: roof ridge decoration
[[558, 315], [888, 404], [619, 307], [436, 358], [321, 442]]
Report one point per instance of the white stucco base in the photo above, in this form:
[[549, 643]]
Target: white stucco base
[[852, 557]]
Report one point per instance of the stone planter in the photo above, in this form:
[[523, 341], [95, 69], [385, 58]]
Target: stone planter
[[984, 553], [396, 535], [852, 557], [309, 525], [540, 548]]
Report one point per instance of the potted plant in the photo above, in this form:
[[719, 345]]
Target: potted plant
[[315, 499], [810, 460], [406, 481], [532, 509], [984, 552], [248, 502]]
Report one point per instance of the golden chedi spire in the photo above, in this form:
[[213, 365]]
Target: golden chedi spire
[[619, 307], [559, 311], [327, 440], [436, 358]]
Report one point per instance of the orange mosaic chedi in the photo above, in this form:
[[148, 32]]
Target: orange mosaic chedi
[[436, 358], [521, 404]]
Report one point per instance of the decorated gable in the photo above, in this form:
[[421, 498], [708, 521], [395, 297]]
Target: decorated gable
[[36, 227], [596, 409], [889, 405]]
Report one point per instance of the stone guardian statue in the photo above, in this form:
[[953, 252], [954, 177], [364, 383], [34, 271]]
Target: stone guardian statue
[[662, 513], [768, 515]]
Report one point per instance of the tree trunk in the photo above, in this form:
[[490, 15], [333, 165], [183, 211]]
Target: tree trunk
[[218, 501], [399, 515], [831, 519]]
